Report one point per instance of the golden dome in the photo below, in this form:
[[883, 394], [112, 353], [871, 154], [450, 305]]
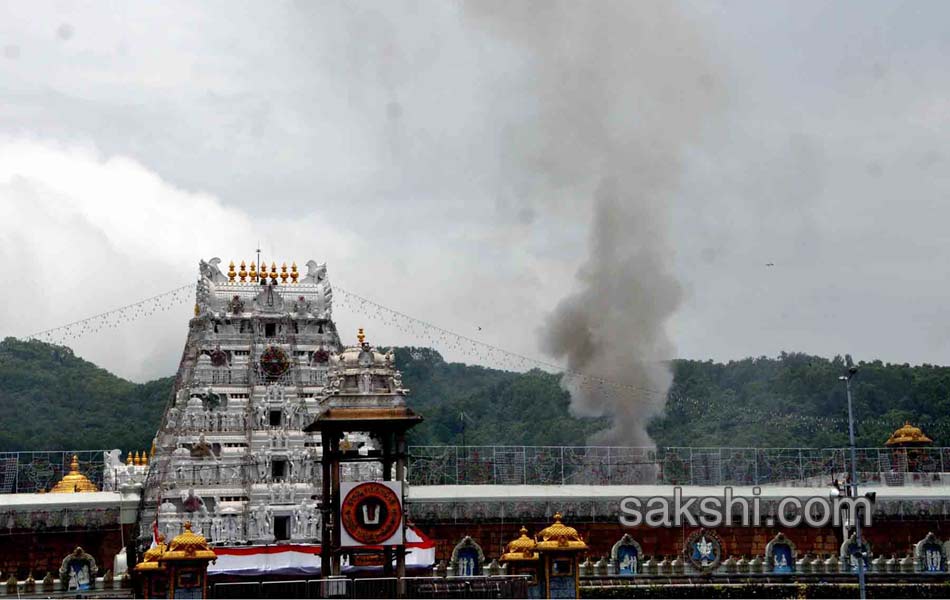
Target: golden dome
[[522, 548], [559, 536], [74, 481], [189, 546], [908, 435], [152, 555]]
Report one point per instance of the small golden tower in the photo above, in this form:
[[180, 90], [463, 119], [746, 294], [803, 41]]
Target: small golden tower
[[187, 561], [283, 273], [253, 272], [231, 272], [74, 481], [243, 272], [293, 272], [273, 272]]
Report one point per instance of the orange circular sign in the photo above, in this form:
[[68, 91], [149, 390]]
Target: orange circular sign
[[371, 513]]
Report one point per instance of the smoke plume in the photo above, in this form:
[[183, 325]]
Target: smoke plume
[[621, 90]]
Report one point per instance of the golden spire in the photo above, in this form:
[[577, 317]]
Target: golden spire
[[521, 548], [74, 481], [138, 459], [273, 272], [253, 272], [283, 273], [243, 272], [188, 545], [293, 272], [128, 458], [560, 536], [144, 458], [262, 271], [231, 273], [361, 336]]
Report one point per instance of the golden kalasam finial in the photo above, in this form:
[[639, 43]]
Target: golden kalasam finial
[[293, 272], [128, 458], [253, 272], [144, 458], [273, 271], [361, 336], [137, 461], [231, 272], [283, 273], [243, 272]]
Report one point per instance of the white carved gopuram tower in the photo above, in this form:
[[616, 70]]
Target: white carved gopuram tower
[[231, 455]]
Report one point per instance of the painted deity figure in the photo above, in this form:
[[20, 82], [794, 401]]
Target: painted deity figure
[[628, 561], [933, 559]]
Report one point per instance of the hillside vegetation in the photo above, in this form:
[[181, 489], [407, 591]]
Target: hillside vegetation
[[54, 400]]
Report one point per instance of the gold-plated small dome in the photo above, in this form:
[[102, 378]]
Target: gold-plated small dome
[[560, 536], [521, 548], [908, 435], [152, 555], [188, 545], [74, 481]]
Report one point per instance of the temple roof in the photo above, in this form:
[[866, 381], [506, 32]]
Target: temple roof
[[521, 548], [150, 559], [188, 546], [74, 481], [559, 536], [908, 435]]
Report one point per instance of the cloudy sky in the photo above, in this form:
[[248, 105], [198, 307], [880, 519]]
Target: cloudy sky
[[445, 159]]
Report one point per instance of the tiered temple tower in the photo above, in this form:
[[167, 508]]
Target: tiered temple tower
[[231, 455]]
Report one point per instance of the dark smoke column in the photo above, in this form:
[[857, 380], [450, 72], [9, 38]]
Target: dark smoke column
[[610, 96], [614, 326]]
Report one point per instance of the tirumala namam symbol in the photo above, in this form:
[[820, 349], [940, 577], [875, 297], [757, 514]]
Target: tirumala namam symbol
[[374, 520]]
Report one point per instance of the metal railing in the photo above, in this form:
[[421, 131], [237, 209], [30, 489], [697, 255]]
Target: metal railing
[[28, 472], [602, 465]]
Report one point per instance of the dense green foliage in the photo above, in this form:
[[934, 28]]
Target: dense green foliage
[[797, 400], [55, 400], [475, 405]]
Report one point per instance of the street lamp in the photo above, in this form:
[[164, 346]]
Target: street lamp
[[852, 371]]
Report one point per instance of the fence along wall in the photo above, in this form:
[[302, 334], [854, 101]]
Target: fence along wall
[[602, 465], [30, 472]]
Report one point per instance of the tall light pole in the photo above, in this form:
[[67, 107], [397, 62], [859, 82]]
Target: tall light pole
[[852, 371]]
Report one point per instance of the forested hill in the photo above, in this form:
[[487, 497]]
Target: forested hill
[[52, 399]]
